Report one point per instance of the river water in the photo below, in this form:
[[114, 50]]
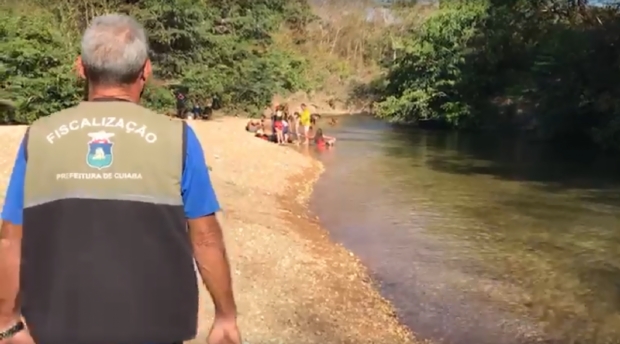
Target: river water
[[477, 239]]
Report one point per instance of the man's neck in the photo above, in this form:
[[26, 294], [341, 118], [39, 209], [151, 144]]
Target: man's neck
[[114, 93]]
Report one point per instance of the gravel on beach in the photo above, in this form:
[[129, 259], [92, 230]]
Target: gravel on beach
[[292, 284]]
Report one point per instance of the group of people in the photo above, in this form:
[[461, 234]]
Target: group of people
[[196, 110], [283, 127]]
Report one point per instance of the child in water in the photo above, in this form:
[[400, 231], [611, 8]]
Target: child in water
[[323, 141]]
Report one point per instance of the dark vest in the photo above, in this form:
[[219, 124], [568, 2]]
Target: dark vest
[[106, 258]]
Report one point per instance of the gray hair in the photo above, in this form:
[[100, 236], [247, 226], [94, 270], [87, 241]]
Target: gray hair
[[114, 50]]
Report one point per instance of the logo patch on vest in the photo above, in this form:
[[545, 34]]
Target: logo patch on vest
[[100, 154]]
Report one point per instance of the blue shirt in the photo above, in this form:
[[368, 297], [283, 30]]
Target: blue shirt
[[196, 189]]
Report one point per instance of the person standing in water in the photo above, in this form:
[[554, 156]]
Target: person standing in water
[[305, 117], [102, 249]]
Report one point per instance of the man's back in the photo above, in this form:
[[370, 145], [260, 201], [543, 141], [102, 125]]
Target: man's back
[[107, 208], [106, 228]]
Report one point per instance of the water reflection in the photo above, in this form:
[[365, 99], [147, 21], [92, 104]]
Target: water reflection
[[475, 237]]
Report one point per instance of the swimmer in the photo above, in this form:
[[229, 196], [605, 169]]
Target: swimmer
[[321, 140]]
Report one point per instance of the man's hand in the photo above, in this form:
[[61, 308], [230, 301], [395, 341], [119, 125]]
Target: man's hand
[[21, 337], [200, 206], [224, 331], [10, 258]]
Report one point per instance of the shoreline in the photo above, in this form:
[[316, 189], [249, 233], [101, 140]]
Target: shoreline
[[292, 283], [310, 228], [358, 287]]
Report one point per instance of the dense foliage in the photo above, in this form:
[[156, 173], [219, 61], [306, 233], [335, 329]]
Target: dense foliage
[[216, 48], [551, 66]]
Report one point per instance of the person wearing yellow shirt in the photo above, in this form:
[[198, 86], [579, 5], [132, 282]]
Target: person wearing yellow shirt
[[304, 119]]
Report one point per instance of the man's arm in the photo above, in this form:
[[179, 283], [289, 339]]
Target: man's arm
[[11, 241], [205, 232]]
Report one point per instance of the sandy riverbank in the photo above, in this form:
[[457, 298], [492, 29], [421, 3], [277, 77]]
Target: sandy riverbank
[[291, 283]]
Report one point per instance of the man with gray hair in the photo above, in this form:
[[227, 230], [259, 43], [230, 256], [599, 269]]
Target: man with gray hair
[[94, 237]]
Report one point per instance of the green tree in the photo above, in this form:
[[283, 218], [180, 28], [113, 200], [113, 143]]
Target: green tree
[[216, 48], [425, 81], [35, 66], [550, 66]]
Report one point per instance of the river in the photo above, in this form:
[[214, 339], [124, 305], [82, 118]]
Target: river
[[478, 239]]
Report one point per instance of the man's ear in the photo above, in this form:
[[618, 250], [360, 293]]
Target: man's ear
[[148, 70], [79, 67]]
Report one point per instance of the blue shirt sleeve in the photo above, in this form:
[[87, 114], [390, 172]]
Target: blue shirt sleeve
[[13, 210], [198, 195]]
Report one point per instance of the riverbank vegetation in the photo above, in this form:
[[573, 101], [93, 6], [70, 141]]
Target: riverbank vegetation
[[240, 52], [548, 66], [215, 48]]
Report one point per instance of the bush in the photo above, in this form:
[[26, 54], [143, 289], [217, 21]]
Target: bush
[[215, 48]]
